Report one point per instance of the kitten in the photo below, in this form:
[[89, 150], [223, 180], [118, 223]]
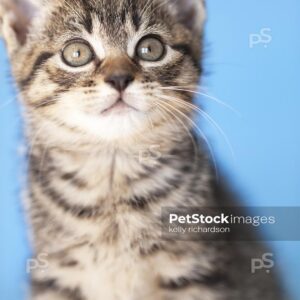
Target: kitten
[[103, 85]]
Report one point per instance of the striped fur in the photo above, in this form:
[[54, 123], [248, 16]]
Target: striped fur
[[97, 183]]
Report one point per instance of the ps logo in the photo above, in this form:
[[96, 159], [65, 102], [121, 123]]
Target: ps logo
[[263, 37], [150, 155], [266, 263], [40, 263]]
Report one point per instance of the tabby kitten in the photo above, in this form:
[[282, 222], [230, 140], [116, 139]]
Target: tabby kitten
[[110, 140]]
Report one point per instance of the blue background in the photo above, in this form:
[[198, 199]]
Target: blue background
[[261, 82]]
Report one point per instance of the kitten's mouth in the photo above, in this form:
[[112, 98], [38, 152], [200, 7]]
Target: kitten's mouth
[[120, 107]]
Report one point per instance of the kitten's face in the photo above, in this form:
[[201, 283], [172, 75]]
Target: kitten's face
[[102, 67]]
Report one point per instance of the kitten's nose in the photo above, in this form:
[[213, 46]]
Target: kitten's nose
[[119, 81]]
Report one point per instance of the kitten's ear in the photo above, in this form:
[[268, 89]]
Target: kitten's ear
[[190, 13], [15, 20]]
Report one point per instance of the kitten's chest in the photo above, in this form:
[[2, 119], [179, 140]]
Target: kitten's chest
[[115, 275], [103, 271], [105, 261]]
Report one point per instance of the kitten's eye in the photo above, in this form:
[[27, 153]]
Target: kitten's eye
[[77, 54], [150, 49]]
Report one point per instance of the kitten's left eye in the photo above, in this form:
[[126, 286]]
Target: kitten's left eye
[[77, 54], [150, 49]]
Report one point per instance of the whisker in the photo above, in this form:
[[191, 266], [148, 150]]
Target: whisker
[[155, 8], [204, 95], [150, 120], [147, 6], [167, 117], [200, 132], [7, 103], [195, 145], [206, 116]]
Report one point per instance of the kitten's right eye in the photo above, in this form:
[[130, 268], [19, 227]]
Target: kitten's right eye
[[77, 54]]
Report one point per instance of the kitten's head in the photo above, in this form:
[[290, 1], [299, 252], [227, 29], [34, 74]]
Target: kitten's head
[[103, 68]]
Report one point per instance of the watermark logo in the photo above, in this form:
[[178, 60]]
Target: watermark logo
[[264, 38], [211, 223], [39, 263], [266, 262], [150, 155]]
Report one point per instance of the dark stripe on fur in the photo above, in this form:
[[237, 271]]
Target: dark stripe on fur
[[186, 50], [136, 19], [71, 178], [141, 202], [51, 285], [43, 286], [185, 282], [82, 212], [183, 48], [48, 101], [42, 58], [87, 19], [150, 250], [64, 79], [167, 74], [69, 263]]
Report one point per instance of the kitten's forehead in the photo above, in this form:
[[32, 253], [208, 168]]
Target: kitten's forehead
[[115, 21], [113, 15]]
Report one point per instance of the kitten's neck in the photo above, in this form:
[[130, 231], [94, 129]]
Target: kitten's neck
[[113, 170]]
